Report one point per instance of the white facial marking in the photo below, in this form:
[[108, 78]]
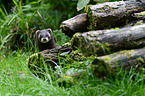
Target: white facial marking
[[44, 40], [49, 35]]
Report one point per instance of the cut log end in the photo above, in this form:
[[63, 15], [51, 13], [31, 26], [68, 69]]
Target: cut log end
[[78, 23]]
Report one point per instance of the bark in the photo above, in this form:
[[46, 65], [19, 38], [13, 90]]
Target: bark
[[49, 57], [112, 14], [140, 15], [123, 60], [102, 16], [107, 41], [78, 23], [38, 62]]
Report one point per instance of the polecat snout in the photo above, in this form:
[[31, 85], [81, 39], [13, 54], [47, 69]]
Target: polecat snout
[[45, 39]]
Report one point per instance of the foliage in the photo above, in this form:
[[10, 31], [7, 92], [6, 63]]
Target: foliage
[[22, 20], [15, 79], [82, 3]]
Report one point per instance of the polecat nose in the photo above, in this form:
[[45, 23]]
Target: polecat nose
[[44, 39]]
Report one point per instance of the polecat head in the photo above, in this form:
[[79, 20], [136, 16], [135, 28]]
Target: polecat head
[[44, 36]]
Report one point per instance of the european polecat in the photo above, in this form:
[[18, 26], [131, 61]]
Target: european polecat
[[45, 39]]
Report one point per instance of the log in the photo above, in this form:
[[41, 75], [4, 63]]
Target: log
[[102, 16], [112, 14], [140, 15], [142, 1], [123, 60], [78, 23], [48, 55], [38, 62], [107, 41]]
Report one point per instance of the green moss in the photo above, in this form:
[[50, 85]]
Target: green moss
[[67, 44], [127, 52], [139, 23], [94, 48], [102, 68], [74, 41], [91, 19], [139, 59], [75, 56], [65, 81], [66, 78], [143, 13], [89, 46], [34, 59], [107, 58], [36, 64]]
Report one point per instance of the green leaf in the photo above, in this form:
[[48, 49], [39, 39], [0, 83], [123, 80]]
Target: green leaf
[[81, 4], [16, 4], [1, 11], [34, 3]]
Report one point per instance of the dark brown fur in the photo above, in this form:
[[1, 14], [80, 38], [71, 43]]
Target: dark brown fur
[[43, 46]]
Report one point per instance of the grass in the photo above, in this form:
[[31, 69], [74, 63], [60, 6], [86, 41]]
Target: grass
[[16, 79]]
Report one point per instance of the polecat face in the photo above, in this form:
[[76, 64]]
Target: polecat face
[[43, 36]]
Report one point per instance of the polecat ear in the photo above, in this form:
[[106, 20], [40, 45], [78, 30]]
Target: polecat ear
[[49, 30], [37, 32]]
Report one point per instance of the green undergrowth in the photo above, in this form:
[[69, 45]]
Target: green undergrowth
[[16, 79]]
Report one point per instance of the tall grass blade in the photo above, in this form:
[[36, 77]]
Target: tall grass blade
[[6, 39], [1, 11], [14, 1], [13, 18], [21, 15]]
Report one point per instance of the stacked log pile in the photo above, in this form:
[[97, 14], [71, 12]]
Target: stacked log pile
[[112, 49], [103, 16]]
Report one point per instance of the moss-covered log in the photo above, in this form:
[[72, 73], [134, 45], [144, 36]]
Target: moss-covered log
[[112, 14], [78, 23], [123, 60], [38, 62], [47, 58], [107, 41], [101, 16], [140, 15]]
